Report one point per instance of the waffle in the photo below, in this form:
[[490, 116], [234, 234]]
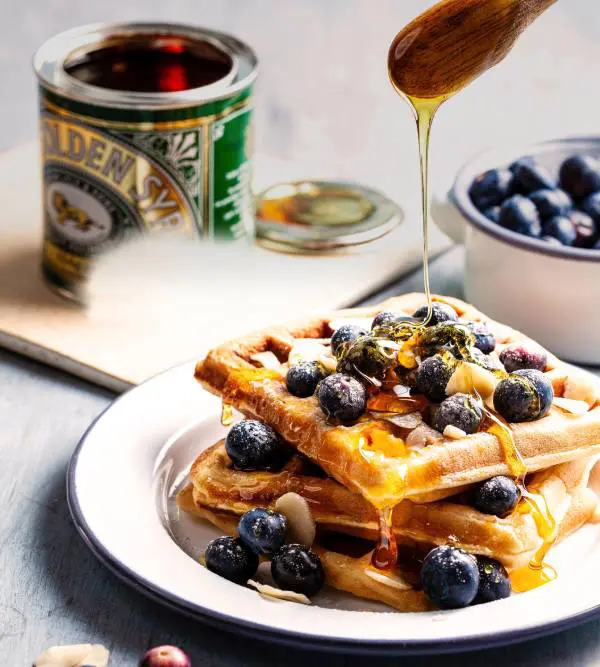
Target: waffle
[[387, 474], [219, 494], [217, 486]]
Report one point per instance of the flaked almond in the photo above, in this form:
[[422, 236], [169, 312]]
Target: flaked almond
[[582, 387], [411, 420], [454, 433], [76, 655], [401, 390], [328, 362], [468, 377], [301, 526], [571, 405], [388, 579], [277, 594], [306, 349], [422, 436], [362, 322], [267, 360]]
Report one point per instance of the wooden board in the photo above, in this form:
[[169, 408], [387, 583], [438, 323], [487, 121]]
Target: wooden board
[[157, 303]]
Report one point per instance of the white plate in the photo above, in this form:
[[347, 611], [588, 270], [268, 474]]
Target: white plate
[[121, 483]]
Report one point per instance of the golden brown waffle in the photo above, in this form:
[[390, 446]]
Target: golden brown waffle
[[220, 494], [386, 475], [217, 486]]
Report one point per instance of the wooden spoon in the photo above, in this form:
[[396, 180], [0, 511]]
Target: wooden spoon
[[455, 41]]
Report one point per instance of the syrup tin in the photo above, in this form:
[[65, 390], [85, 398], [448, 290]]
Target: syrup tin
[[145, 128]]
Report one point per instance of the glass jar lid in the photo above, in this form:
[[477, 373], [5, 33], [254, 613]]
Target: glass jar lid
[[314, 216]]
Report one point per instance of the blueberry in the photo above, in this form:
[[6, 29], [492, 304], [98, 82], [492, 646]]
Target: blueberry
[[441, 312], [552, 241], [386, 317], [527, 159], [560, 228], [450, 577], [252, 445], [591, 206], [229, 557], [492, 213], [262, 530], [529, 178], [368, 359], [520, 215], [490, 188], [484, 338], [497, 495], [455, 337], [342, 397], [551, 203], [344, 336], [523, 396], [523, 355], [579, 175], [494, 583], [459, 410], [586, 229], [433, 376], [302, 378], [298, 568]]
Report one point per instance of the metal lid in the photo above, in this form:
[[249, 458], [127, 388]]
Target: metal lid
[[314, 216]]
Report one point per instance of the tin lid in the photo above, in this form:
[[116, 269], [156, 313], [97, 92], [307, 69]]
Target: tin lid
[[314, 216]]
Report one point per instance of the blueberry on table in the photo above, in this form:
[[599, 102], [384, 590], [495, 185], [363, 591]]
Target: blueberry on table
[[523, 396], [230, 558], [484, 338], [441, 312], [386, 317], [579, 175], [498, 496], [528, 178], [551, 203], [252, 445], [450, 577], [302, 378], [433, 376], [490, 188], [560, 228], [523, 355], [342, 397], [165, 656], [591, 206], [492, 213], [344, 337], [262, 530], [298, 568], [520, 215], [586, 229], [458, 410], [494, 583]]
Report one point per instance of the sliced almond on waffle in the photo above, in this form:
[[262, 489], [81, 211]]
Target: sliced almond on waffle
[[301, 526]]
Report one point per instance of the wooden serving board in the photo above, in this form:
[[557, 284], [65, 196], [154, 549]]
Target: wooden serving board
[[158, 303]]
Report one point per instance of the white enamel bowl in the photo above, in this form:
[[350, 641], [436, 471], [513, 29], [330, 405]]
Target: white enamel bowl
[[550, 293]]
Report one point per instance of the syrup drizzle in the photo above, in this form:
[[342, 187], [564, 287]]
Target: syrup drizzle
[[226, 414], [385, 555]]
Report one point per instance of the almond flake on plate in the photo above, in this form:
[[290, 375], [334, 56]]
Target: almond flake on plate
[[76, 655], [276, 593], [301, 526]]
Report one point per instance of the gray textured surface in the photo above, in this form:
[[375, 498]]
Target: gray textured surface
[[323, 97]]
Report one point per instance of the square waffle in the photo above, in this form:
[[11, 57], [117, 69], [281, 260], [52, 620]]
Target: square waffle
[[374, 457], [220, 494]]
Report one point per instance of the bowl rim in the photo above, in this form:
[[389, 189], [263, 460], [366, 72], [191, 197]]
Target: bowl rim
[[475, 165]]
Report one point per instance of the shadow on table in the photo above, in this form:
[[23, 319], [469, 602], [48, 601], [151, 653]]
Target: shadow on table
[[99, 608]]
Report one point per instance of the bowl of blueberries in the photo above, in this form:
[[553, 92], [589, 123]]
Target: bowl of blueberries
[[530, 223]]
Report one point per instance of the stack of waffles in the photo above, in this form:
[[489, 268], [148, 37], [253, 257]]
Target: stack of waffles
[[391, 469]]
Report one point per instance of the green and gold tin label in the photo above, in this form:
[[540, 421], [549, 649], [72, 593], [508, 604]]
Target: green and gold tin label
[[111, 174]]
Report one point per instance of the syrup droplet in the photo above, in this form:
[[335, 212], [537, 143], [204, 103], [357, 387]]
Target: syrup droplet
[[385, 555], [226, 414]]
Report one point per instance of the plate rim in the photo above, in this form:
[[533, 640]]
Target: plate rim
[[285, 637]]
